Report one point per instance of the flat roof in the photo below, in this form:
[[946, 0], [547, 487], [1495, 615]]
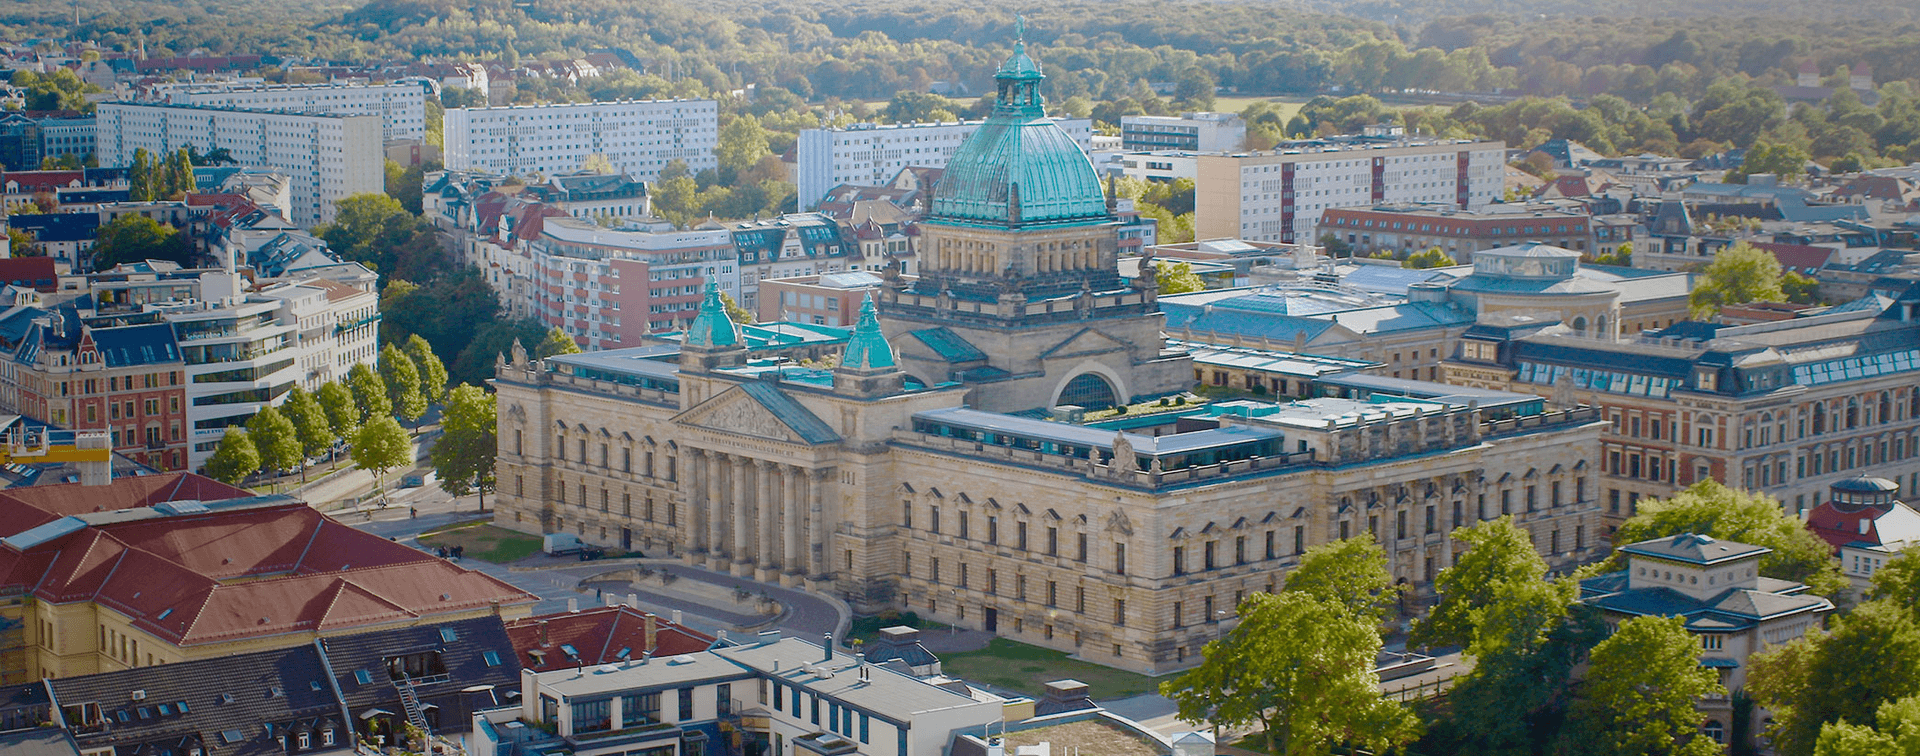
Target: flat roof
[[657, 672], [884, 692], [644, 361], [1080, 435]]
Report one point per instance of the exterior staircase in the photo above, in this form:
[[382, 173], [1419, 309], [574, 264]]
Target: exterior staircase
[[411, 703]]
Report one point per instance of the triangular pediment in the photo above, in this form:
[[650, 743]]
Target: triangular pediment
[[765, 414], [1083, 343]]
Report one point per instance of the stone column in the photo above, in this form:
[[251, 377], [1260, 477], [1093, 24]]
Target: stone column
[[817, 527], [766, 545], [696, 499], [715, 467], [742, 494], [793, 557]]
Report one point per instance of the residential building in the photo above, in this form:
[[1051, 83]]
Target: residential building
[[776, 695], [28, 139], [611, 287], [65, 238], [127, 380], [634, 137], [253, 703], [833, 299], [181, 567], [1405, 229], [1280, 194], [432, 674], [1411, 322], [872, 154], [1867, 525], [1715, 586], [244, 350], [1189, 132], [1784, 408], [794, 245], [401, 106], [326, 158]]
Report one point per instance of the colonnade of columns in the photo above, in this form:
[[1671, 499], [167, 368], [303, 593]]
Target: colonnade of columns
[[764, 517]]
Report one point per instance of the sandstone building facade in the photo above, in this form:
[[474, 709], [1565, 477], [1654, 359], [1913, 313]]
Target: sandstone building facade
[[907, 477]]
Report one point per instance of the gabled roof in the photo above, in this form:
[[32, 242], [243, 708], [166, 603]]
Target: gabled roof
[[474, 652], [808, 426], [601, 635], [129, 346]]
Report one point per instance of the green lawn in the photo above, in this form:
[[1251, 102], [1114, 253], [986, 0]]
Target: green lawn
[[485, 542], [1027, 669], [1289, 106]]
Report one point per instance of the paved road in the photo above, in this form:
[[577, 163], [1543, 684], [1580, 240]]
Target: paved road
[[416, 510]]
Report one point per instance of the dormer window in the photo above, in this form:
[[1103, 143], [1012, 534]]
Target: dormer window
[[1706, 379]]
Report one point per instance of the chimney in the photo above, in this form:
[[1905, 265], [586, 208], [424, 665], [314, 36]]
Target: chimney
[[633, 601], [676, 616], [1865, 525], [826, 649], [544, 641], [861, 659], [573, 606], [653, 629]]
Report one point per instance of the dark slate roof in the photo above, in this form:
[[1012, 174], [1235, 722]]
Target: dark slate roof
[[1694, 549], [949, 345], [804, 423], [127, 346], [43, 741], [1625, 358], [235, 705], [465, 657], [58, 227]]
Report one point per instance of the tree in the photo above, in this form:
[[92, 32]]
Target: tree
[[1800, 289], [343, 416], [463, 457], [133, 238], [735, 312], [310, 425], [275, 440], [234, 459], [1739, 274], [1432, 257], [21, 244], [381, 445], [1871, 656], [1177, 278], [1499, 553], [1527, 641], [1621, 256], [1640, 692], [1301, 667], [557, 342], [1898, 582], [402, 382], [1350, 574], [1898, 733], [742, 142], [140, 176], [369, 394], [1709, 508], [433, 374], [1784, 160]]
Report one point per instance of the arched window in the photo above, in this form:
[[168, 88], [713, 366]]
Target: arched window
[[1853, 412], [1886, 407], [1819, 418], [1766, 429], [1715, 730], [1580, 324]]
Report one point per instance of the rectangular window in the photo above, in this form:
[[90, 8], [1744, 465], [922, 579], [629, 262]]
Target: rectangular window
[[1053, 541], [1020, 536], [1270, 552], [1208, 555], [639, 709], [1179, 560], [963, 526], [723, 698], [933, 520], [993, 529], [1119, 612], [686, 704], [1120, 558], [593, 716], [1083, 546], [906, 514], [1299, 540]]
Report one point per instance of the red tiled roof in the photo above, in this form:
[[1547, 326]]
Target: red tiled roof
[[30, 272], [1839, 528], [598, 634], [123, 493], [44, 181], [236, 573], [1799, 258]]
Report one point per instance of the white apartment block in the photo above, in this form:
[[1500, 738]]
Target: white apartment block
[[326, 158], [637, 137], [1201, 132], [402, 107], [1279, 195], [869, 154]]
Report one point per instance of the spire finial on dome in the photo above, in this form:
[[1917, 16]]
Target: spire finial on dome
[[1020, 30], [712, 328], [867, 348]]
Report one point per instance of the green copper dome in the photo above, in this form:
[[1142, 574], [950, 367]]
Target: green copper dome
[[867, 349], [1019, 168], [712, 327]]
